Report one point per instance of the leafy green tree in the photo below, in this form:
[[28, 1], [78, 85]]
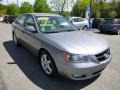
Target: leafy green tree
[[113, 14], [26, 7], [79, 8], [76, 9], [12, 9], [61, 5], [41, 6], [98, 14], [2, 9], [106, 8]]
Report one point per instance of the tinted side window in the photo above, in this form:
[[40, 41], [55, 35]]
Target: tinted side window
[[108, 21], [29, 19], [76, 20], [21, 20], [81, 19], [117, 21]]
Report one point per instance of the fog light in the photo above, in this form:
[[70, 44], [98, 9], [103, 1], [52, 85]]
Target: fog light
[[79, 76]]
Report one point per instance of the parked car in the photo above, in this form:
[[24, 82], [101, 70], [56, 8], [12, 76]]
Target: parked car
[[60, 46], [5, 19], [9, 18], [110, 25], [80, 23], [1, 19]]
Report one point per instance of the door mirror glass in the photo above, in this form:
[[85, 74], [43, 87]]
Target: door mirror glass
[[30, 24], [30, 28]]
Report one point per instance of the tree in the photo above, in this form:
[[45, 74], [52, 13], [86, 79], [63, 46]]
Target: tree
[[2, 9], [98, 14], [105, 7], [76, 9], [79, 8], [41, 6], [61, 5], [12, 9], [26, 7], [113, 14]]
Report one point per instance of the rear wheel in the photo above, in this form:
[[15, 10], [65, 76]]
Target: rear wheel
[[118, 32], [47, 64], [102, 31], [85, 28]]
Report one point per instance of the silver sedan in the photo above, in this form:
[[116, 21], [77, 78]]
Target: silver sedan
[[60, 47], [80, 23]]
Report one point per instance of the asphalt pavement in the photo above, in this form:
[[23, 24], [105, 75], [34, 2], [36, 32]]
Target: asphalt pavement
[[19, 69]]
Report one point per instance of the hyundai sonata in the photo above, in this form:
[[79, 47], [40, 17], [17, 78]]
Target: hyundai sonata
[[61, 48]]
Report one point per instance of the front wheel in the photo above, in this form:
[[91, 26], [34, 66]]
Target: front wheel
[[47, 64]]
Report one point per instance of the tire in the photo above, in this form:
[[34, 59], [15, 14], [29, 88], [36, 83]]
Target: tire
[[102, 31], [47, 64], [85, 28], [118, 32], [15, 40]]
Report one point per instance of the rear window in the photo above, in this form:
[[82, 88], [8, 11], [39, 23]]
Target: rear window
[[108, 21], [117, 21]]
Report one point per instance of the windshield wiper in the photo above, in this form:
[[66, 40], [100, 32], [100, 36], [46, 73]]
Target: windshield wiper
[[59, 31], [51, 32], [67, 30]]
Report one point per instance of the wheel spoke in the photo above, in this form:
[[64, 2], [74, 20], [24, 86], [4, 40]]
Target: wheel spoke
[[42, 60], [48, 62], [45, 57], [49, 68]]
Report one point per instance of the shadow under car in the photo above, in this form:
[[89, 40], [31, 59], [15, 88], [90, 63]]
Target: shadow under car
[[31, 68]]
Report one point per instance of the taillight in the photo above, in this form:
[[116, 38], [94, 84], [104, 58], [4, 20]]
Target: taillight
[[115, 26]]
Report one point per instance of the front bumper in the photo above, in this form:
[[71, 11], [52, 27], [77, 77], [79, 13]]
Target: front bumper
[[82, 71]]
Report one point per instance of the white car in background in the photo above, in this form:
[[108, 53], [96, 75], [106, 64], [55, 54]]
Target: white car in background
[[79, 22], [1, 19]]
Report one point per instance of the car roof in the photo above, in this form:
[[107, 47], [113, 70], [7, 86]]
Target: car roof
[[71, 18], [111, 19], [43, 14], [74, 17]]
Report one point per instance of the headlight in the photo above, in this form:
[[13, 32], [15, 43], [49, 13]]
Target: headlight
[[76, 58]]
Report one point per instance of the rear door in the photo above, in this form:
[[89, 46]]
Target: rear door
[[77, 22], [18, 26], [108, 24]]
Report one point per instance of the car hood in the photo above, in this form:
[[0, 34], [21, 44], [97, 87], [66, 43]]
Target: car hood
[[78, 42]]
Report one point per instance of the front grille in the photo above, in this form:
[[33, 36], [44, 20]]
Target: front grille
[[103, 56]]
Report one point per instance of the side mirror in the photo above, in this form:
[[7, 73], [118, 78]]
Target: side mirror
[[30, 24]]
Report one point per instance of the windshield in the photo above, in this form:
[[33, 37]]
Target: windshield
[[52, 24]]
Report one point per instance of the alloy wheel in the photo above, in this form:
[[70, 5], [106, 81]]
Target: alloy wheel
[[118, 32], [46, 64]]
